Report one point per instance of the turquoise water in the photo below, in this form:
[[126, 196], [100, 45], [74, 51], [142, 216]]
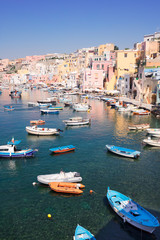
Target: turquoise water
[[24, 207]]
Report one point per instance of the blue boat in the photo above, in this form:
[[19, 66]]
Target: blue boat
[[49, 111], [55, 108], [131, 211], [62, 149], [83, 234], [125, 152], [10, 150], [8, 108]]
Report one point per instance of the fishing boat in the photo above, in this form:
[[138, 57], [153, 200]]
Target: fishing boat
[[75, 121], [154, 131], [10, 150], [37, 122], [48, 100], [66, 187], [81, 107], [60, 177], [83, 234], [62, 149], [151, 142], [49, 111], [42, 131], [138, 127], [141, 112], [15, 94], [125, 152], [131, 212], [8, 108], [55, 108]]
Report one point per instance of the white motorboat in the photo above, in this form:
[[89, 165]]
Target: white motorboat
[[151, 142], [60, 177], [154, 131], [42, 131], [81, 107], [77, 121]]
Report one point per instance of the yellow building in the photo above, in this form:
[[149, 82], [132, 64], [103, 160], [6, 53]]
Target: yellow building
[[105, 48], [126, 62], [23, 71]]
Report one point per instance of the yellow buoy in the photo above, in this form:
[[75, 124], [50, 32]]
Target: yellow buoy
[[49, 215]]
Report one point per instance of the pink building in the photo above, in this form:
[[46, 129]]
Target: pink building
[[35, 58], [93, 79]]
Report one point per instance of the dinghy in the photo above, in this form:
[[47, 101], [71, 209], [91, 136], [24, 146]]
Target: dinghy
[[151, 142], [82, 234], [66, 187], [60, 177], [42, 131], [125, 152], [154, 131], [49, 111], [138, 127], [77, 121], [8, 108], [10, 150], [62, 149], [131, 211]]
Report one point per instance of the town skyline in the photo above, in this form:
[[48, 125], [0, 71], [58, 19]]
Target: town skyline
[[38, 28]]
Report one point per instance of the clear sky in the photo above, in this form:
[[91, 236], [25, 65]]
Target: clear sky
[[34, 27]]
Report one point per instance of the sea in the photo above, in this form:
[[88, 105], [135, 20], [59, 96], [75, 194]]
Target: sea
[[24, 207]]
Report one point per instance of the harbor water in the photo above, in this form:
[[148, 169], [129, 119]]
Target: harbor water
[[24, 207]]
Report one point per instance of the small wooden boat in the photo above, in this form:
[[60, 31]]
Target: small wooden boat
[[15, 94], [62, 149], [77, 121], [49, 111], [83, 234], [10, 150], [60, 177], [8, 108], [141, 112], [138, 127], [125, 152], [131, 212], [66, 187], [151, 142], [37, 122], [42, 131]]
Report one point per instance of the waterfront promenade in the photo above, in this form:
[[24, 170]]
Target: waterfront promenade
[[135, 102]]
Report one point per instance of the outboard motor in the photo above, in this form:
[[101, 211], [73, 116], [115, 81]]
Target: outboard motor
[[77, 174]]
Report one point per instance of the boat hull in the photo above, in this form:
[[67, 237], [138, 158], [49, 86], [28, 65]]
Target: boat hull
[[25, 153], [123, 152], [42, 132]]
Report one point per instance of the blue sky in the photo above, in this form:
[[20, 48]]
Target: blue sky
[[34, 27]]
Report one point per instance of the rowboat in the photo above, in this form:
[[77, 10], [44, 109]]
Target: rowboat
[[42, 131], [131, 212], [49, 111], [77, 121], [66, 187], [37, 122], [141, 112], [151, 142], [10, 150], [62, 149], [125, 152], [15, 94], [138, 127], [60, 177], [154, 131], [82, 234], [8, 108]]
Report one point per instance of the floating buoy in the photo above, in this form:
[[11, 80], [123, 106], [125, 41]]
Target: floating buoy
[[91, 191], [34, 183], [49, 215]]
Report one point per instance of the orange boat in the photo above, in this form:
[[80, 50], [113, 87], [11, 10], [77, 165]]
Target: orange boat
[[37, 122], [66, 187]]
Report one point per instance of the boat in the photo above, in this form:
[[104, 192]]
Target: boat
[[76, 121], [33, 104], [141, 112], [125, 152], [42, 131], [62, 149], [154, 131], [49, 111], [8, 108], [81, 107], [138, 126], [60, 177], [37, 122], [131, 212], [48, 100], [83, 234], [44, 105], [10, 150], [66, 187], [151, 142], [15, 94], [55, 108]]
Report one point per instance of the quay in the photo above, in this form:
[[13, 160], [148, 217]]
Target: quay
[[135, 102]]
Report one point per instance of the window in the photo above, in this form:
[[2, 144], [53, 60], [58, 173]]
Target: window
[[140, 75], [125, 55], [126, 79], [126, 86], [102, 66], [135, 55], [98, 67]]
